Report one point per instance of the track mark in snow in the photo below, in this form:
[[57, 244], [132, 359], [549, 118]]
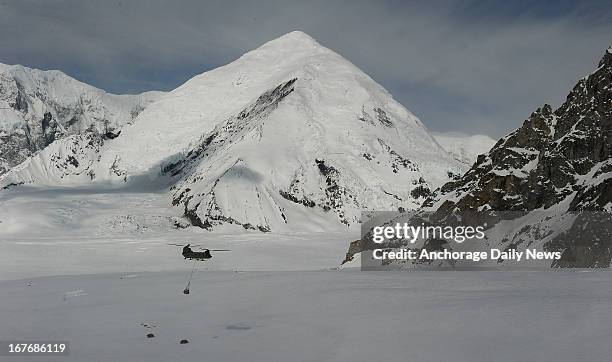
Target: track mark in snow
[[74, 294], [238, 327]]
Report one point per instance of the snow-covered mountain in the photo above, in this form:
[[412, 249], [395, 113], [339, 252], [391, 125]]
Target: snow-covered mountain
[[38, 107], [465, 148], [290, 135]]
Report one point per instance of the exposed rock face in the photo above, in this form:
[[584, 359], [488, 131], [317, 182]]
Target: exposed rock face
[[503, 179], [40, 107], [554, 155], [558, 161], [14, 148]]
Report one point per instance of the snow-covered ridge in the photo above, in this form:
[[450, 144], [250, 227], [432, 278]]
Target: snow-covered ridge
[[38, 107], [49, 88], [465, 148]]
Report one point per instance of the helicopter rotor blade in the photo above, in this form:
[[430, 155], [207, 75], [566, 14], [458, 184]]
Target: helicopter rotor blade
[[197, 246], [194, 245]]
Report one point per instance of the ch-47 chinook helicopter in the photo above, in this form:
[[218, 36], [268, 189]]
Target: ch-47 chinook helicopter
[[188, 253], [203, 255]]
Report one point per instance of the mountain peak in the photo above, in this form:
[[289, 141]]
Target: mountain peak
[[295, 41], [607, 58], [296, 36], [4, 67]]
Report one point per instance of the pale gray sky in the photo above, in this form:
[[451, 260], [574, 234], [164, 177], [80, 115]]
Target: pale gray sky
[[472, 67]]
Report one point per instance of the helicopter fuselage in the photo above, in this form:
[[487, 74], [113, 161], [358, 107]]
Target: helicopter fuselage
[[199, 255]]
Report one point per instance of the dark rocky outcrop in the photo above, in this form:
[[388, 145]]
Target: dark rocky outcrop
[[561, 156]]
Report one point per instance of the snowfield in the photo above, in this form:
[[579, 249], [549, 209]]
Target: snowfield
[[95, 269], [316, 316], [59, 231]]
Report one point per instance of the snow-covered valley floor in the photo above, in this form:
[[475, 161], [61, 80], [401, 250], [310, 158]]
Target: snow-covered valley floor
[[316, 316], [95, 269], [81, 231]]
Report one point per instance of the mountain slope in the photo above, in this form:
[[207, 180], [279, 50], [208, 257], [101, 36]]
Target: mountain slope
[[324, 136], [38, 107], [551, 157], [464, 148], [289, 135], [556, 167]]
